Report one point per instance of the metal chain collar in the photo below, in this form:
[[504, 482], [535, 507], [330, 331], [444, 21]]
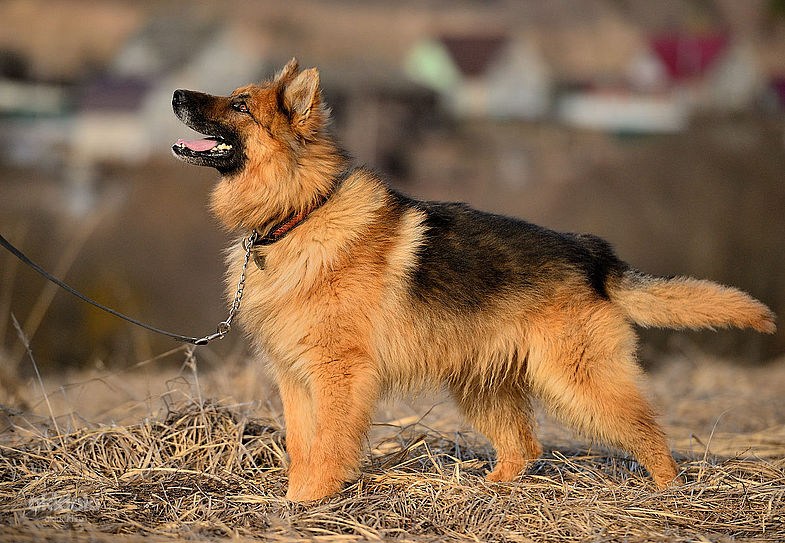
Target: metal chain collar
[[225, 326]]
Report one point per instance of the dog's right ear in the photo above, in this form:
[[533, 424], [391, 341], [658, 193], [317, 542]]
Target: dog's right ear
[[288, 72]]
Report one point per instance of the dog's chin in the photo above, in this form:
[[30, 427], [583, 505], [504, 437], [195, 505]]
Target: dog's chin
[[211, 152]]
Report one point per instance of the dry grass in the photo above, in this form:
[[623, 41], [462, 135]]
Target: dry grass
[[213, 469]]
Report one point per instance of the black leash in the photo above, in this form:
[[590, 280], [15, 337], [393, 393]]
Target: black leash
[[221, 331], [253, 240]]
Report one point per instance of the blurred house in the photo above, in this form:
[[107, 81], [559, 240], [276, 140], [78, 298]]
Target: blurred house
[[32, 99], [673, 77], [108, 125], [125, 115], [34, 113], [710, 68], [483, 75]]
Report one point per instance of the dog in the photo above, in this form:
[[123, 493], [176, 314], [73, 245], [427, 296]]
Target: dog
[[357, 291]]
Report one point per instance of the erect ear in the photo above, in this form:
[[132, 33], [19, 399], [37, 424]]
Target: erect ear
[[288, 72], [302, 96]]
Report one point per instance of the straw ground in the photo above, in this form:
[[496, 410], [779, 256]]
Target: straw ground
[[160, 454]]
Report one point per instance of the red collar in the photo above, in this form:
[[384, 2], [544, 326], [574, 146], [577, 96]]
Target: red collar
[[295, 219], [285, 226]]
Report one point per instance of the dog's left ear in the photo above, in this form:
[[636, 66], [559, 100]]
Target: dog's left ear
[[302, 98], [288, 72]]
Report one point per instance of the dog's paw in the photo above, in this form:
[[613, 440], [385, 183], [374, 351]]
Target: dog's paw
[[312, 491], [506, 471]]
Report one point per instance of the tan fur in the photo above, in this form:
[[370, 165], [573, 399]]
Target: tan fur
[[333, 313], [685, 302]]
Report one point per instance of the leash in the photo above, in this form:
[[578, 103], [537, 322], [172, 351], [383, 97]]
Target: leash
[[221, 330], [254, 239]]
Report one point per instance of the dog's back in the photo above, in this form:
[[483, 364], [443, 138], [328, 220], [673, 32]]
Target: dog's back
[[468, 256]]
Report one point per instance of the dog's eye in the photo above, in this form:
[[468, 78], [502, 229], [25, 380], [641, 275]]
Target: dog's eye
[[242, 107]]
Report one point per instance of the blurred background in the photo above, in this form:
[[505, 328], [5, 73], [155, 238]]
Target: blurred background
[[659, 126]]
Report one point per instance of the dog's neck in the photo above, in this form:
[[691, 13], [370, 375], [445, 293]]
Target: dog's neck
[[268, 193], [282, 228]]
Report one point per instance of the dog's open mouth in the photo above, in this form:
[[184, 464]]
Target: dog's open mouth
[[217, 152], [212, 146], [213, 151]]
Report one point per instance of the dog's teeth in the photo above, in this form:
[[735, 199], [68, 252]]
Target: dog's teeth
[[223, 147]]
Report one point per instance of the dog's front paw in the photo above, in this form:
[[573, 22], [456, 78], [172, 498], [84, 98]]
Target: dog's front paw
[[312, 490], [506, 470]]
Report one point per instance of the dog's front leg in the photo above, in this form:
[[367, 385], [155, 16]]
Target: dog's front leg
[[343, 392], [300, 418]]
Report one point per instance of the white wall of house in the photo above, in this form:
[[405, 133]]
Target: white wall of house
[[625, 112], [519, 85], [737, 80]]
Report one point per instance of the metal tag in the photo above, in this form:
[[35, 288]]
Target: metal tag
[[258, 259]]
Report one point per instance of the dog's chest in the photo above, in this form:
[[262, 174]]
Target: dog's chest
[[266, 283], [276, 310]]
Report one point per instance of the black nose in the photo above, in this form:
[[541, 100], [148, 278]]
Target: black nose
[[179, 97]]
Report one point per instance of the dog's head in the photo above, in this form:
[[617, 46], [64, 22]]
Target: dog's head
[[254, 122]]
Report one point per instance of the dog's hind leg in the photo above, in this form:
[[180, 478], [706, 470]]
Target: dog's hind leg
[[588, 375], [506, 418]]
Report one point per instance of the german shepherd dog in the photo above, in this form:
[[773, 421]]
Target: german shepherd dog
[[357, 291]]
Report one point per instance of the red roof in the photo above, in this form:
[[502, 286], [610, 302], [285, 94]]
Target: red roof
[[688, 56], [473, 54]]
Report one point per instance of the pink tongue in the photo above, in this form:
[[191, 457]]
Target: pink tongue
[[198, 145]]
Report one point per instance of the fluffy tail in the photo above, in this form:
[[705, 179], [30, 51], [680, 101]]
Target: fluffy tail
[[683, 302]]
